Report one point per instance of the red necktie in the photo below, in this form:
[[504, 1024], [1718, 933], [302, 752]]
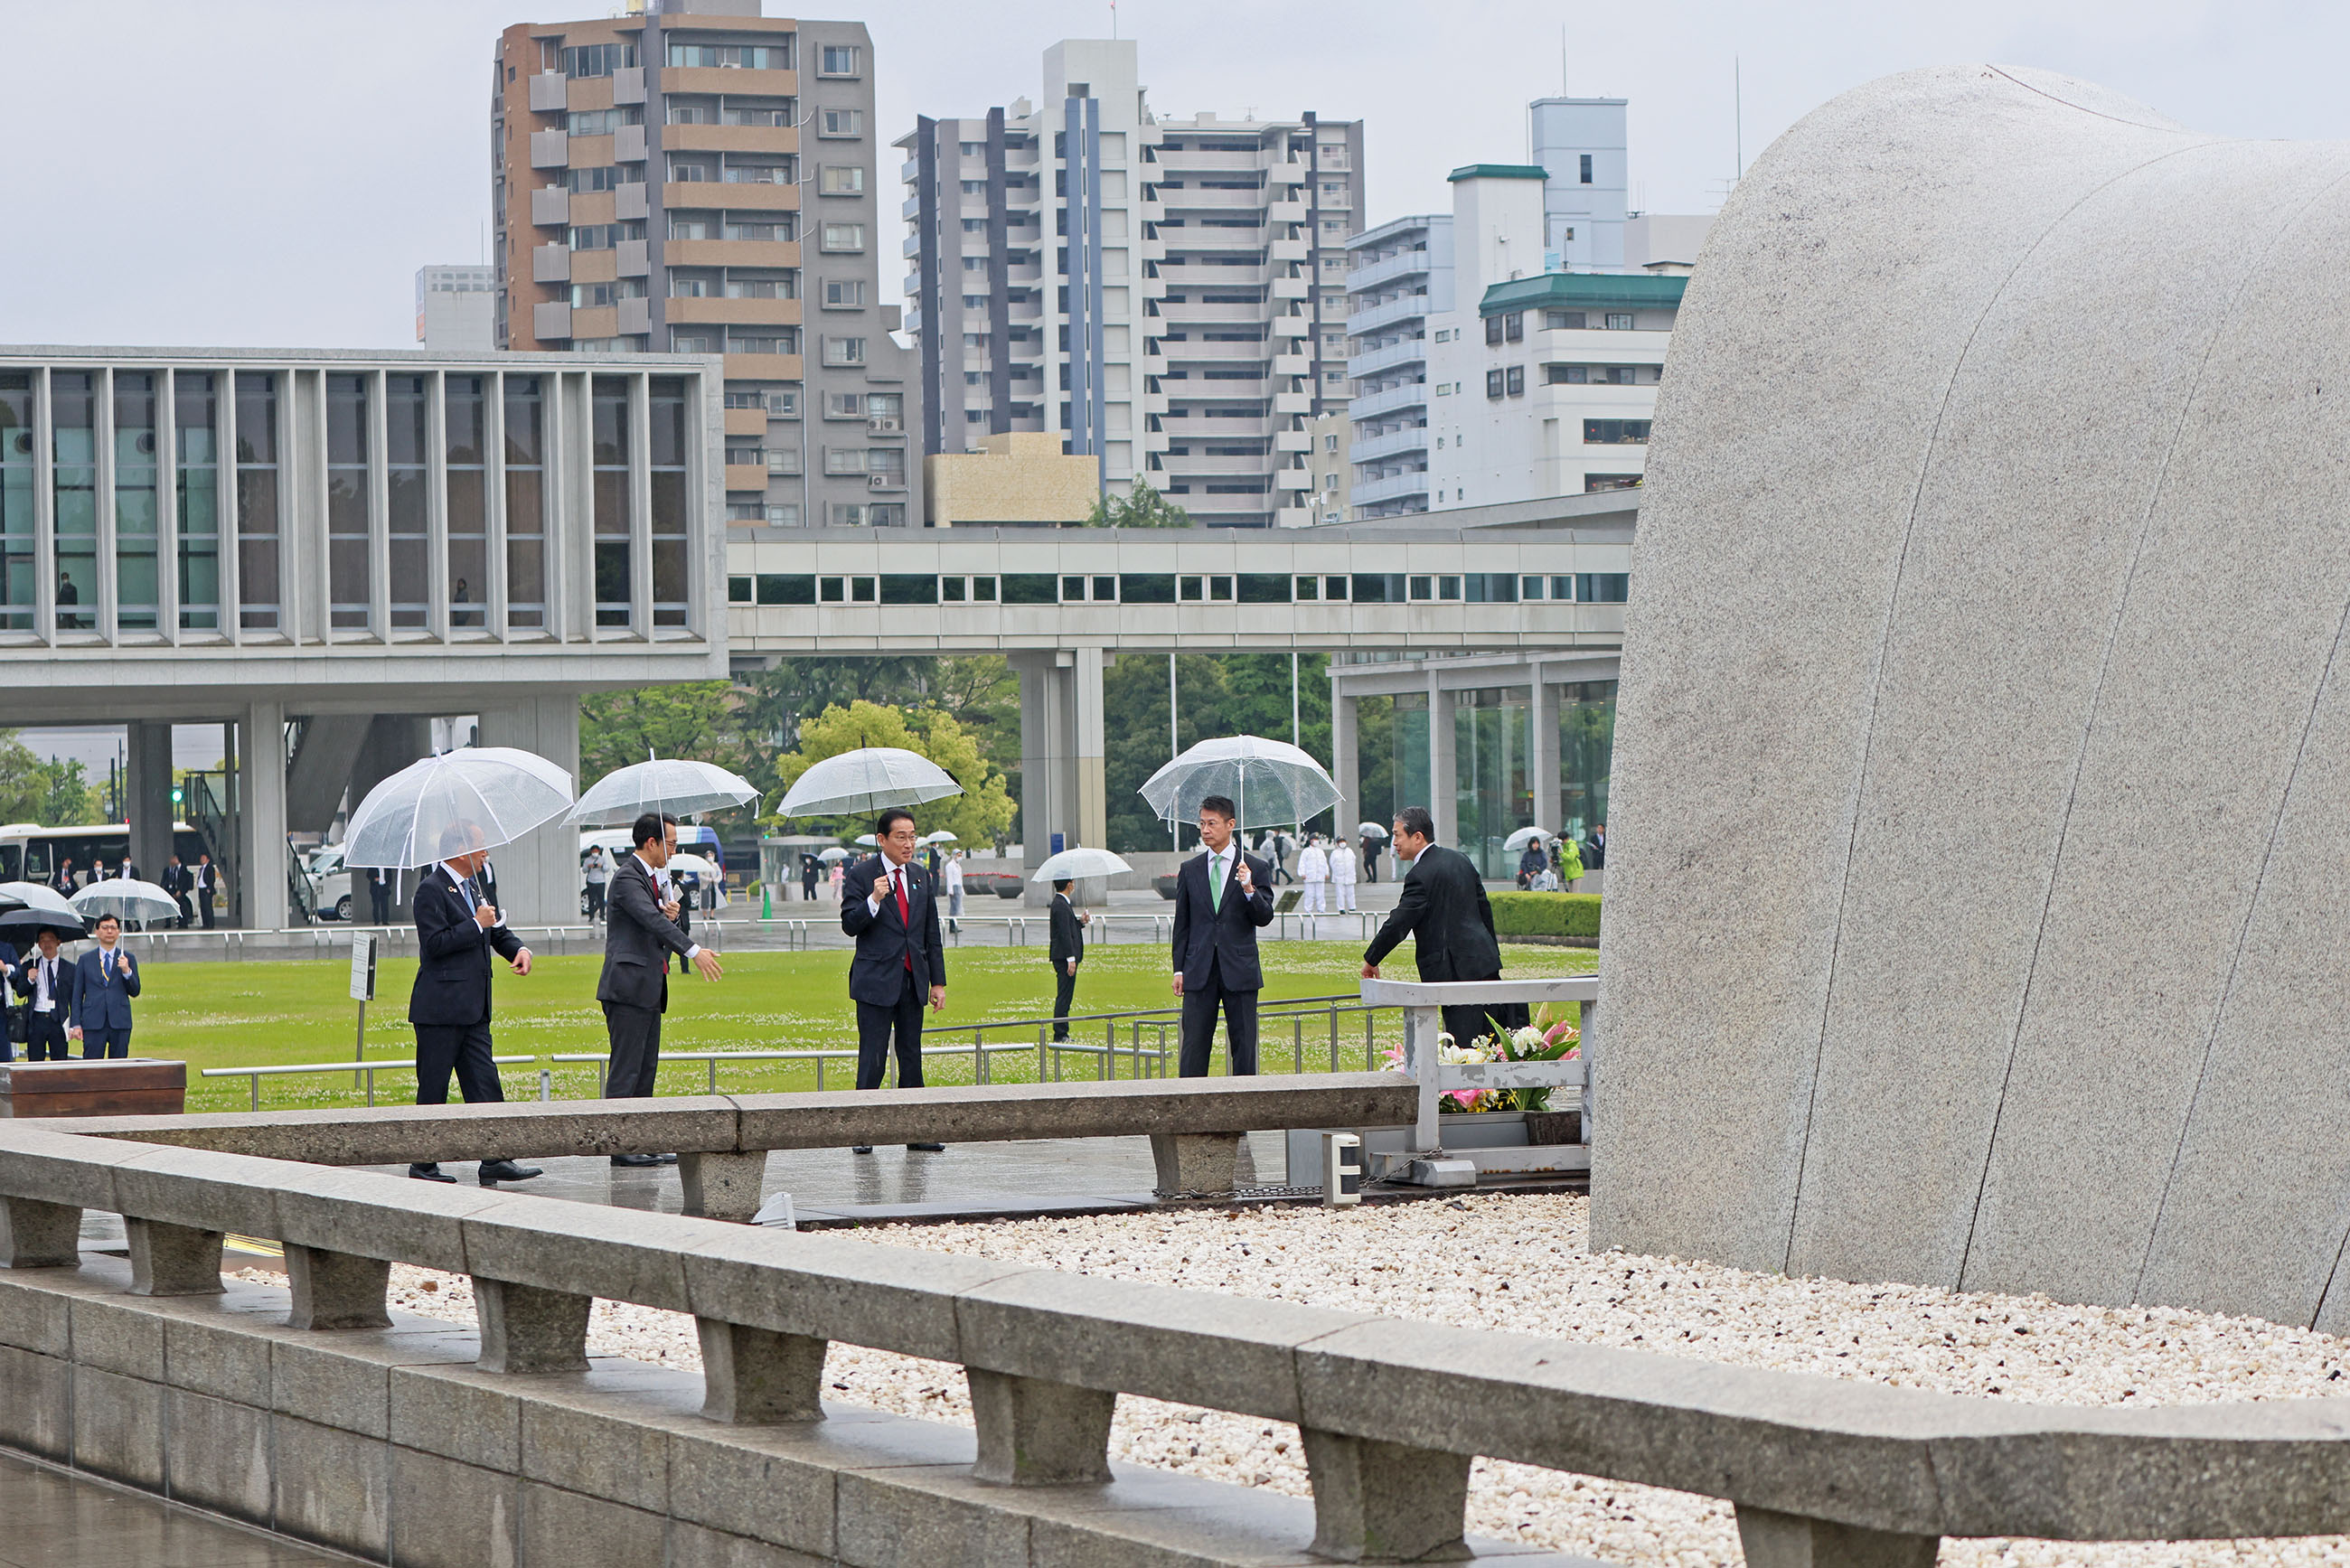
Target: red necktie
[[905, 914]]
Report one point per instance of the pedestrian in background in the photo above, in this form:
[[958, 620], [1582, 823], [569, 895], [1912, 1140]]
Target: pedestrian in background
[[457, 931], [177, 881], [107, 980], [810, 869], [599, 878], [1370, 857], [640, 934], [379, 893], [955, 891], [887, 903], [1068, 950], [1341, 875], [1595, 848], [206, 879], [1314, 871]]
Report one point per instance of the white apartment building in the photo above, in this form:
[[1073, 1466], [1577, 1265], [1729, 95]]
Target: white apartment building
[[457, 307], [1540, 288], [1169, 295]]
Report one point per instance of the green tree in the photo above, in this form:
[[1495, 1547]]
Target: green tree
[[69, 799], [981, 815], [1217, 695], [695, 719], [24, 780], [1144, 508]]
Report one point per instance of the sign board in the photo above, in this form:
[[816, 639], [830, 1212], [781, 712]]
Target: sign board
[[362, 969]]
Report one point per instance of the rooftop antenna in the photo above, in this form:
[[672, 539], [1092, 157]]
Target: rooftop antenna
[[1113, 19], [1562, 60]]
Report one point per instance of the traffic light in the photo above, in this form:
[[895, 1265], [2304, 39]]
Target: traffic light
[[177, 796]]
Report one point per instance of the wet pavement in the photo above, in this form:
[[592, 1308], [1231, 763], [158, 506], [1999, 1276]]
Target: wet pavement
[[56, 1519]]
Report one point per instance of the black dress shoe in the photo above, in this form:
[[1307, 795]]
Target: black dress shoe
[[429, 1172], [497, 1171], [665, 1159], [862, 1148], [636, 1159], [929, 1147]]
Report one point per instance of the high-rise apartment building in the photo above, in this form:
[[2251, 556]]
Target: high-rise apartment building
[[1167, 294], [695, 177], [1486, 365], [457, 307]]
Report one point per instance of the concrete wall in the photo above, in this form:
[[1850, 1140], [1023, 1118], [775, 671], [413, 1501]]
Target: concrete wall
[[1977, 917], [1012, 478]]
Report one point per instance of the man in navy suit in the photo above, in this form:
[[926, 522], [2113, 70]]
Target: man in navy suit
[[46, 979], [889, 904], [457, 931], [1222, 897], [104, 984]]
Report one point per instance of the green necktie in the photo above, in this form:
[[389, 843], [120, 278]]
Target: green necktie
[[1215, 883]]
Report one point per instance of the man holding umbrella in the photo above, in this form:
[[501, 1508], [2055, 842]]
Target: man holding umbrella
[[889, 905], [457, 930], [48, 981], [639, 933], [1221, 898]]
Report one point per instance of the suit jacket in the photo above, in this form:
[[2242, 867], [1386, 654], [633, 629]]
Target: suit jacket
[[1223, 934], [101, 1002], [453, 956], [1068, 932], [203, 878], [638, 940], [886, 945], [175, 880], [63, 987], [1443, 905]]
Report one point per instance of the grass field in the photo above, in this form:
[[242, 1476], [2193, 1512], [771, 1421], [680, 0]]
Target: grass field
[[248, 1014]]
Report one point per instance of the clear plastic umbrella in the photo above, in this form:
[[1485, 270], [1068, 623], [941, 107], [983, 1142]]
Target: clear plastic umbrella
[[1525, 836], [674, 785], [1071, 864], [941, 837], [496, 791], [866, 780], [833, 853], [1270, 783], [36, 897], [126, 899], [1372, 829]]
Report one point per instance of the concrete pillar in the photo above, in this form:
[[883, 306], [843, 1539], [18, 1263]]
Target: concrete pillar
[[1064, 785], [1443, 783], [1544, 717], [150, 796], [538, 874], [393, 741], [1346, 766], [260, 895], [320, 769]]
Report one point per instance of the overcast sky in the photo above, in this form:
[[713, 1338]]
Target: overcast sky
[[243, 172]]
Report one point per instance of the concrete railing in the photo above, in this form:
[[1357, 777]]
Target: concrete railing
[[1195, 1127], [309, 1430], [1423, 1003]]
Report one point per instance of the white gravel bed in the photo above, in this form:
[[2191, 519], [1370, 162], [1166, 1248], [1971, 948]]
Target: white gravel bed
[[1519, 1263]]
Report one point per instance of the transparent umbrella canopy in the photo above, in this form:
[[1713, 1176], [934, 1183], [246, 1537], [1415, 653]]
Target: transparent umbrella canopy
[[34, 896], [866, 780], [496, 791], [1372, 829], [1523, 837], [674, 785], [1072, 864], [1269, 781], [126, 899]]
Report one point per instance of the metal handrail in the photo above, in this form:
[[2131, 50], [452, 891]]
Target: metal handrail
[[359, 1070]]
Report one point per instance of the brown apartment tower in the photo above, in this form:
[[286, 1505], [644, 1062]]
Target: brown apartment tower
[[694, 177]]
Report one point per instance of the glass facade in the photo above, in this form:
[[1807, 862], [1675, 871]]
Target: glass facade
[[669, 503], [1587, 739], [18, 589], [1409, 759], [195, 426], [256, 500], [408, 518], [73, 441], [526, 439], [1492, 767], [608, 439], [137, 587], [465, 411], [350, 604]]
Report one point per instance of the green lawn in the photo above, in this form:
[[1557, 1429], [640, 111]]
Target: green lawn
[[243, 1015]]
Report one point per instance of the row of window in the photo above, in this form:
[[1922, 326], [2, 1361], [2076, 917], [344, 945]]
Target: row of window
[[1167, 588], [1511, 326]]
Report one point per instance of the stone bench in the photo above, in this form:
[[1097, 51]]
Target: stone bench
[[721, 1140], [1392, 1414]]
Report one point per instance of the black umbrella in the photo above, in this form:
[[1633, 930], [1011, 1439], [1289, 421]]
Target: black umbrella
[[21, 926]]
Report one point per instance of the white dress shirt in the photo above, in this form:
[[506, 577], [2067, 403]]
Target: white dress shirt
[[661, 885]]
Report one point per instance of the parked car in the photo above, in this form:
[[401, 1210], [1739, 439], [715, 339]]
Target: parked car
[[331, 883]]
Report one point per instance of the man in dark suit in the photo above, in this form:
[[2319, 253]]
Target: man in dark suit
[[1222, 897], [1595, 848], [889, 905], [639, 933], [457, 930], [1444, 908], [1068, 952], [46, 980], [104, 984], [176, 882], [379, 880], [207, 880]]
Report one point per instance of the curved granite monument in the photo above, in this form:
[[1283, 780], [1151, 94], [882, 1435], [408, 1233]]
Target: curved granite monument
[[1979, 901]]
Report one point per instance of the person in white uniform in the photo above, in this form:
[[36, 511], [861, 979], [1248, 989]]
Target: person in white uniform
[[1341, 875], [1314, 870]]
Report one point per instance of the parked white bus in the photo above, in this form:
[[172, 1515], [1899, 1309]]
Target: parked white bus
[[31, 853]]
